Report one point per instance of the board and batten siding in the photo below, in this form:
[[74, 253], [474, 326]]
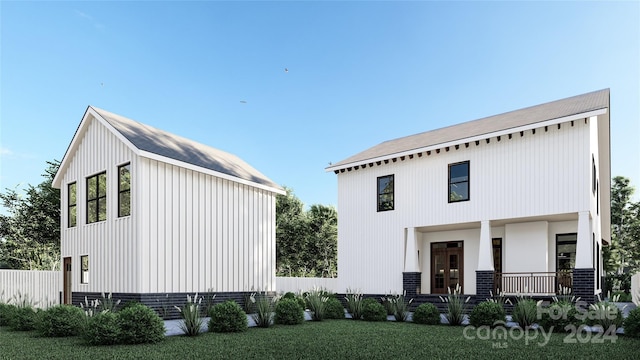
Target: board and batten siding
[[109, 244], [530, 175], [201, 232]]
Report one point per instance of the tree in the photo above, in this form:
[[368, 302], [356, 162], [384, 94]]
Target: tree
[[306, 241], [623, 255], [30, 233]]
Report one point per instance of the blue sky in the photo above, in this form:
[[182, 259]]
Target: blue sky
[[359, 73]]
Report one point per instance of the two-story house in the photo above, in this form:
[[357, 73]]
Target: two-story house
[[517, 202]]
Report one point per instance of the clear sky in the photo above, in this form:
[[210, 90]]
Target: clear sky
[[359, 73]]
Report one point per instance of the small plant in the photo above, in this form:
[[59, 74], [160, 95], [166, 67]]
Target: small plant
[[632, 323], [164, 308], [6, 313], [264, 310], [354, 303], [23, 319], [565, 296], [558, 316], [227, 317], [500, 298], [209, 302], [373, 310], [334, 309], [487, 313], [90, 308], [386, 302], [316, 299], [190, 313], [525, 312], [102, 328], [61, 320], [249, 306], [399, 306], [139, 324], [456, 305], [289, 312], [605, 314], [426, 314], [23, 300], [107, 303]]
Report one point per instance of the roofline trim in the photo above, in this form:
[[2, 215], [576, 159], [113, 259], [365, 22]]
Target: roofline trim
[[503, 132]]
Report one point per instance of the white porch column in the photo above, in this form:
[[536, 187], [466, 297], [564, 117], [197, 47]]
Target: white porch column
[[584, 256], [485, 249], [411, 252]]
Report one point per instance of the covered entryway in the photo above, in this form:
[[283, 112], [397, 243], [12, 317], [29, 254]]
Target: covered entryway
[[447, 266]]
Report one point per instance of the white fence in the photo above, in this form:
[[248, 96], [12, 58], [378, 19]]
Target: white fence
[[42, 287], [297, 284], [635, 288]]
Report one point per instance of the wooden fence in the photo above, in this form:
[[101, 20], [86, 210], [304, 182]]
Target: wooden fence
[[297, 284], [41, 288]]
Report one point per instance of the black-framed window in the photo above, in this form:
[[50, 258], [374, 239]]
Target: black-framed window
[[459, 181], [84, 269], [97, 198], [593, 174], [385, 193], [566, 252], [496, 244], [72, 202], [124, 190]]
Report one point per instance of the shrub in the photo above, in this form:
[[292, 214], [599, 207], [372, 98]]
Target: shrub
[[605, 314], [388, 305], [632, 323], [227, 317], [621, 296], [316, 299], [23, 319], [139, 324], [6, 313], [487, 313], [558, 315], [427, 314], [334, 309], [190, 313], [354, 303], [525, 313], [126, 305], [61, 320], [102, 329], [456, 305], [264, 310], [373, 310], [399, 306], [289, 312], [298, 298]]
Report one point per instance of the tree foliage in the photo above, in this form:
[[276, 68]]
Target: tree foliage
[[306, 241], [30, 232], [624, 252]]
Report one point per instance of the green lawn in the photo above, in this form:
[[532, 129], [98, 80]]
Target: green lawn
[[331, 339]]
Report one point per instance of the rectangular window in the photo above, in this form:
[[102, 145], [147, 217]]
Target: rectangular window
[[72, 199], [459, 182], [566, 252], [497, 254], [97, 198], [124, 190], [593, 174], [385, 193], [84, 271]]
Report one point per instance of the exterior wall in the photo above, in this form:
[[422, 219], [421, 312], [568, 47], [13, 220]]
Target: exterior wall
[[110, 244], [298, 284], [199, 232], [42, 287], [532, 175], [525, 247]]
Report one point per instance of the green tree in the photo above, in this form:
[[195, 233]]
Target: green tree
[[624, 252], [322, 245], [30, 233]]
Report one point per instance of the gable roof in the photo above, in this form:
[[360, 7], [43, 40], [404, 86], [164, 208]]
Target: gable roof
[[147, 141], [558, 109]]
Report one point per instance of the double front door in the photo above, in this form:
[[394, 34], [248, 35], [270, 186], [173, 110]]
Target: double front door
[[446, 266]]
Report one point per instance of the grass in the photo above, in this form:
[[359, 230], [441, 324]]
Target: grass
[[329, 339]]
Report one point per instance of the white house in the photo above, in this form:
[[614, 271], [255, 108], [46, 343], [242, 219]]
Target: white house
[[146, 213], [518, 202]]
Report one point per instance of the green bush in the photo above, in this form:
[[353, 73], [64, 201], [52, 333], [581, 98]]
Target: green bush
[[525, 313], [289, 312], [334, 309], [487, 313], [23, 319], [622, 296], [227, 317], [6, 313], [102, 329], [605, 314], [558, 315], [354, 303], [60, 321], [427, 314], [139, 324], [316, 300], [373, 310], [129, 304], [632, 323]]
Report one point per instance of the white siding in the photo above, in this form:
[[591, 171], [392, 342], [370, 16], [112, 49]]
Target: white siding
[[297, 285], [41, 287], [202, 232]]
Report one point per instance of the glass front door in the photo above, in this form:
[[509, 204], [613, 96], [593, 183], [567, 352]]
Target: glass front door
[[446, 266]]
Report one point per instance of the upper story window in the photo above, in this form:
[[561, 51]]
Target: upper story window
[[124, 190], [593, 174], [97, 198], [459, 181], [72, 199], [385, 193]]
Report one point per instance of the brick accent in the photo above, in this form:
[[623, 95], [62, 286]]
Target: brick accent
[[584, 284], [411, 283], [484, 283]]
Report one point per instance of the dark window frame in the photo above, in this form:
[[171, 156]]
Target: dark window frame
[[72, 207], [122, 191], [381, 194], [566, 242], [84, 279], [495, 247], [98, 199], [593, 174], [468, 182]]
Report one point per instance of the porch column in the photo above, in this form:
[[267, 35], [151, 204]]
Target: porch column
[[411, 276], [485, 272], [584, 272]]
